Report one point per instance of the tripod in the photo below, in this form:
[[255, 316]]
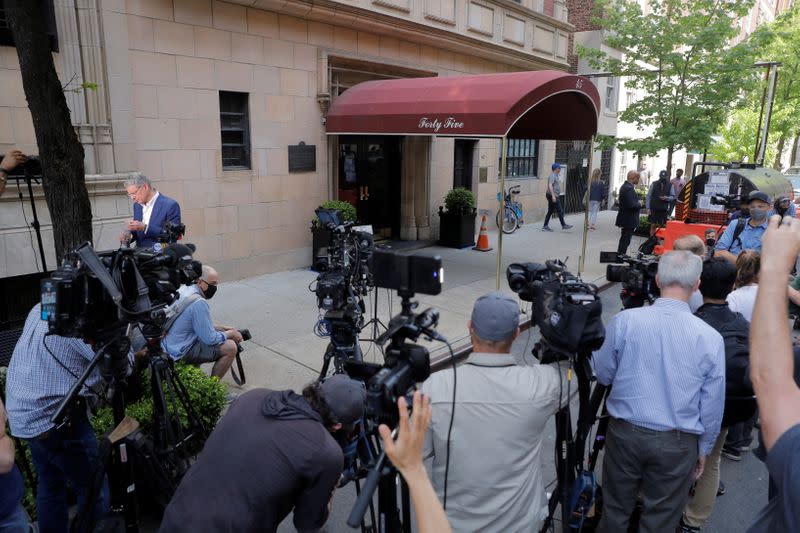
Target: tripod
[[343, 345], [375, 322], [166, 460], [28, 176]]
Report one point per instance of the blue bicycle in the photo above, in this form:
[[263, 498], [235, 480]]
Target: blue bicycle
[[511, 217]]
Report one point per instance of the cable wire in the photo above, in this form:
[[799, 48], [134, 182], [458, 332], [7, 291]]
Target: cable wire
[[450, 427]]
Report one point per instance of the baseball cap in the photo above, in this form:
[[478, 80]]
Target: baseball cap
[[758, 195], [663, 174], [345, 397], [495, 317], [554, 166]]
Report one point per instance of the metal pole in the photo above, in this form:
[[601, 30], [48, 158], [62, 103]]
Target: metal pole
[[503, 155], [582, 261], [772, 84]]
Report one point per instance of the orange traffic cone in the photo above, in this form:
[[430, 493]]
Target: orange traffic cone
[[483, 238]]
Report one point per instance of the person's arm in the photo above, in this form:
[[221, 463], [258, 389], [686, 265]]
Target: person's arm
[[771, 357], [406, 454], [712, 404], [313, 503], [6, 444], [722, 248], [649, 196], [550, 189], [606, 359], [203, 326], [794, 295], [11, 160]]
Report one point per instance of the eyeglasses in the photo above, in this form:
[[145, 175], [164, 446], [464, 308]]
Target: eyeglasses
[[132, 195]]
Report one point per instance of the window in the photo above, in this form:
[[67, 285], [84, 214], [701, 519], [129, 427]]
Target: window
[[7, 39], [623, 156], [630, 97], [235, 125], [623, 173], [611, 95], [522, 158]]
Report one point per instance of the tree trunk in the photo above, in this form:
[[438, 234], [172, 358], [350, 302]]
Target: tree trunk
[[60, 150], [793, 159], [670, 151], [778, 152]]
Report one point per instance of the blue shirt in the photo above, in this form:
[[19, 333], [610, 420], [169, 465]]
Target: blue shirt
[[37, 383], [749, 238], [193, 324], [664, 377]]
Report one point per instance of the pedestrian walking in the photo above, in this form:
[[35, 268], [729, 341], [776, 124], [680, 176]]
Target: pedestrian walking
[[553, 194], [597, 193]]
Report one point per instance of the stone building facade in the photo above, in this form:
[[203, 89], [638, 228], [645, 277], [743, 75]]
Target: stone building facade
[[206, 98]]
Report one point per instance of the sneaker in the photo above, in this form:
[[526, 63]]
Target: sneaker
[[546, 228], [721, 489], [566, 226], [731, 453], [683, 528]]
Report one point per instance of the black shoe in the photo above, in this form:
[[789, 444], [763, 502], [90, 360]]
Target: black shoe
[[721, 489], [566, 226], [683, 528], [732, 453], [546, 228]]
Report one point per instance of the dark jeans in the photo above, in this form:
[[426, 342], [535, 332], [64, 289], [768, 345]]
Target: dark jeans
[[741, 435], [656, 464], [624, 240], [16, 522], [65, 455], [554, 208]]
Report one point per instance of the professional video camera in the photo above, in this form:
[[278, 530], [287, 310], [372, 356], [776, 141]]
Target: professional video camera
[[93, 294], [566, 309], [637, 275], [730, 201], [405, 365]]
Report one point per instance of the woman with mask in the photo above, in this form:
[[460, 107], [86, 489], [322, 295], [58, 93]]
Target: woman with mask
[[745, 234]]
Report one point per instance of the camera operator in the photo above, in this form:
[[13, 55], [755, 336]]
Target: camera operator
[[745, 234], [494, 482], [772, 373], [192, 336], [716, 282], [12, 515], [287, 457], [43, 368], [628, 214], [11, 160], [692, 243], [151, 210], [666, 369]]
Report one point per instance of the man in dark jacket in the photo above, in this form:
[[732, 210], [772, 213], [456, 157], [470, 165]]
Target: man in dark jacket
[[659, 199], [628, 214], [273, 452], [716, 282]]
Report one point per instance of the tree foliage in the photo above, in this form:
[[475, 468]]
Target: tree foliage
[[677, 54]]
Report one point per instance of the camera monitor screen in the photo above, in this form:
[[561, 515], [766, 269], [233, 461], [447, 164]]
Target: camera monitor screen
[[412, 273]]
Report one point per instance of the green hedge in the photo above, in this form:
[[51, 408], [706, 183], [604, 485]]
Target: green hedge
[[460, 201], [206, 394]]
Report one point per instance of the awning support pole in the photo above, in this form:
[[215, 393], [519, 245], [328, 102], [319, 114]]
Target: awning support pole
[[582, 262], [503, 155]]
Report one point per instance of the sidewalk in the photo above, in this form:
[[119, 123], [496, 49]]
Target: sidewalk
[[280, 311]]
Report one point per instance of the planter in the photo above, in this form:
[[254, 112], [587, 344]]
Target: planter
[[320, 240], [457, 230]]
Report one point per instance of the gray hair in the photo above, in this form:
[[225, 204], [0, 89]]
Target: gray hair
[[207, 270], [690, 243], [679, 268], [138, 179]]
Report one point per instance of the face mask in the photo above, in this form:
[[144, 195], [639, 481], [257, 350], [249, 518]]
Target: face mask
[[210, 291], [758, 214]]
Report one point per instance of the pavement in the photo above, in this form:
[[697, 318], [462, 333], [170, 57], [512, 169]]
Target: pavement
[[280, 312]]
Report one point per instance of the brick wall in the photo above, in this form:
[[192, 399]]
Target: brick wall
[[580, 16]]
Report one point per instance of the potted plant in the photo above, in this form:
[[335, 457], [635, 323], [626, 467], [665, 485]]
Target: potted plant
[[321, 236], [457, 219]]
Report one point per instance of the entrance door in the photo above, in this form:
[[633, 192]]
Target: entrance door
[[462, 163], [369, 179], [573, 154]]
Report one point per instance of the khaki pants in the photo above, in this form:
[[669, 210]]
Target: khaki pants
[[705, 493]]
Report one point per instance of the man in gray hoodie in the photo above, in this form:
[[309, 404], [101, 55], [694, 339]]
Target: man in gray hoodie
[[273, 452]]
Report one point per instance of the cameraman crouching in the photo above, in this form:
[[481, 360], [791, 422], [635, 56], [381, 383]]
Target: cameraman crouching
[[43, 368], [494, 480], [287, 457], [191, 334]]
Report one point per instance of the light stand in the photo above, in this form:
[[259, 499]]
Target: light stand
[[29, 176]]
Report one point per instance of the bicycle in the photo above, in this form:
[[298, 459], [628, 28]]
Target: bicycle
[[512, 211]]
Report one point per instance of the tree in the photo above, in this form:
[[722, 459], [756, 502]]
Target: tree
[[60, 150], [678, 55], [738, 137]]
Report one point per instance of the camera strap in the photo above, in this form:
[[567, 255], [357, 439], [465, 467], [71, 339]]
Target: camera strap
[[93, 263], [175, 310], [238, 377], [737, 232]]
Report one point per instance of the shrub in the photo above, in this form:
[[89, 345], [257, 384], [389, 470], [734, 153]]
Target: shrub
[[348, 210], [460, 201]]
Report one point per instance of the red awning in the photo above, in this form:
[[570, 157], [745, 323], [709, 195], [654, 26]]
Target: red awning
[[543, 104]]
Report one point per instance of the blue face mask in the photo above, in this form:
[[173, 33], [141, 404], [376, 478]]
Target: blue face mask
[[758, 214]]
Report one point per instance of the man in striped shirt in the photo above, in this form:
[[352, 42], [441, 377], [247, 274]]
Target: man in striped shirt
[[666, 401]]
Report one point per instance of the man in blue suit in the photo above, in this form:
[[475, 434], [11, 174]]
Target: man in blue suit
[[151, 210]]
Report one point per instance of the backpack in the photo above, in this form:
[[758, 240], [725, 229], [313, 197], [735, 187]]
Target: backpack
[[175, 310], [737, 232]]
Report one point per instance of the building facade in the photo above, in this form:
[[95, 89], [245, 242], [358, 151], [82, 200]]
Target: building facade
[[223, 104]]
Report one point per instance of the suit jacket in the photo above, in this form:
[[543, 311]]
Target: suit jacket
[[628, 214], [165, 210]]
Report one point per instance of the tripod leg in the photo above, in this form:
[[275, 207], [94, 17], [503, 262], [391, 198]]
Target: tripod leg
[[326, 362]]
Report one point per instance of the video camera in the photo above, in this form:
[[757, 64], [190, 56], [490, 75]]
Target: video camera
[[566, 309], [405, 363], [345, 275], [93, 294], [730, 201], [637, 275]]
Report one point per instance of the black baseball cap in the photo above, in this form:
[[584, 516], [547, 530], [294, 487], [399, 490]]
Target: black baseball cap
[[758, 195], [345, 397]]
